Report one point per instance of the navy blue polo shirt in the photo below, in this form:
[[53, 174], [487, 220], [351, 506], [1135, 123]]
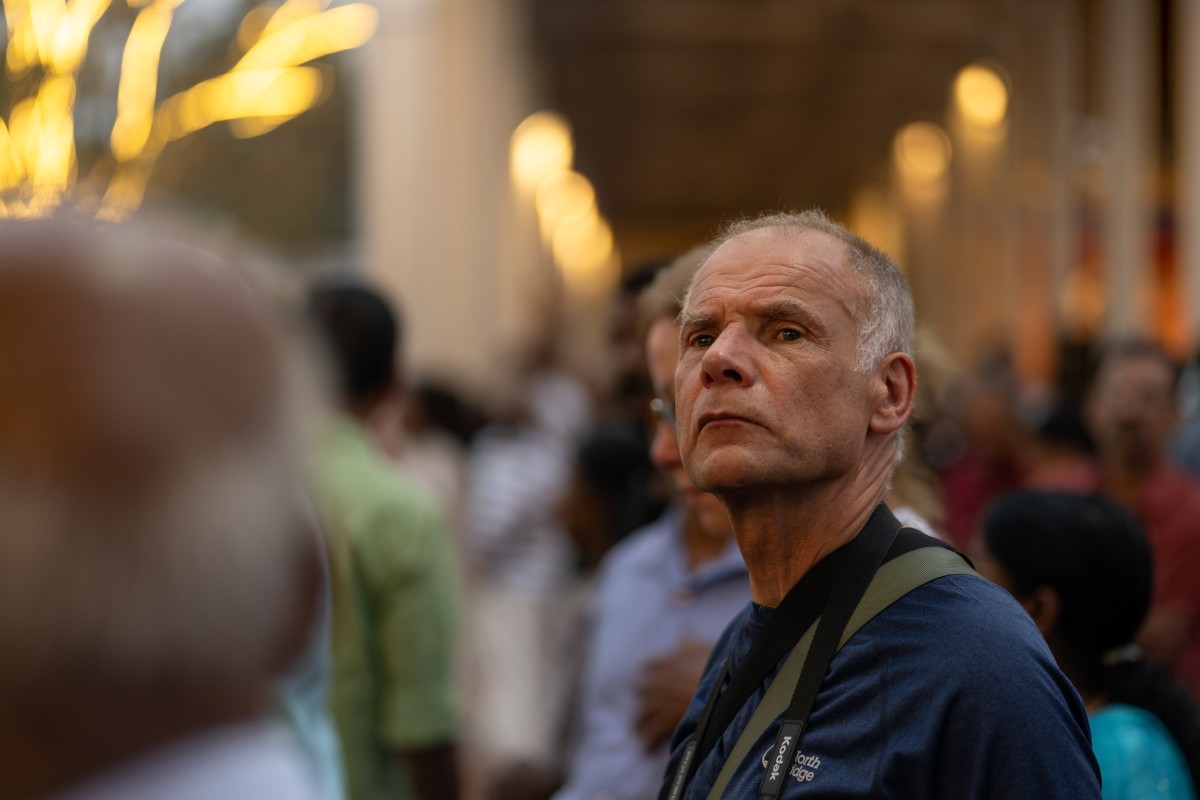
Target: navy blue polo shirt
[[949, 693]]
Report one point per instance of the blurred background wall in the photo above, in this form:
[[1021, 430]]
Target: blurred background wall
[[1031, 162], [500, 165]]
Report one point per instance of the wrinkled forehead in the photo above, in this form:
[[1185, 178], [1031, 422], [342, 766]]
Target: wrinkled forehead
[[778, 255], [122, 353]]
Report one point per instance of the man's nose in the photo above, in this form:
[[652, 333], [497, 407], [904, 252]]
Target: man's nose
[[728, 359], [664, 447]]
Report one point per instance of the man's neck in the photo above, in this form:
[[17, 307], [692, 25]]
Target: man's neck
[[783, 534]]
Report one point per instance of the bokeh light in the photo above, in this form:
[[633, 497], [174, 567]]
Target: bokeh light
[[541, 146], [564, 197], [923, 151], [584, 251], [981, 95]]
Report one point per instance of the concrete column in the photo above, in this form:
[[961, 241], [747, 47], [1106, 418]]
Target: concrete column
[[1046, 93], [1063, 60], [1130, 111], [985, 216], [442, 86]]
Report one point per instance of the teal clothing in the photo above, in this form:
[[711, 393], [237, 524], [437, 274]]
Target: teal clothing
[[302, 693], [395, 612], [1138, 758]]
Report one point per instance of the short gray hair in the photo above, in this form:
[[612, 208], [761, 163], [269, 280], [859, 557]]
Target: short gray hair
[[663, 298], [885, 312]]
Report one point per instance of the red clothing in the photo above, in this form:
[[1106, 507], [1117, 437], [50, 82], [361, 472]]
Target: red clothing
[[1168, 505], [968, 486]]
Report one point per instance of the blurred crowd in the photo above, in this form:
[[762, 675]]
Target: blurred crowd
[[245, 554]]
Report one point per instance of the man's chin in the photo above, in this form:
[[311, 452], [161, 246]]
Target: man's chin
[[724, 466], [729, 480]]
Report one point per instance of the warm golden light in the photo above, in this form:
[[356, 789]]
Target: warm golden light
[[981, 96], [24, 127], [124, 194], [541, 146], [12, 169], [43, 19], [313, 36], [563, 198], [251, 93], [138, 88], [922, 151], [249, 127], [876, 216], [251, 28], [266, 87], [289, 12], [22, 49], [71, 35], [584, 251], [53, 169]]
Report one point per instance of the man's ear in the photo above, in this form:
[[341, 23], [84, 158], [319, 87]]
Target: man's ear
[[896, 384], [1044, 605]]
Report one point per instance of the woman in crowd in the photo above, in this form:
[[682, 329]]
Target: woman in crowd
[[1081, 567]]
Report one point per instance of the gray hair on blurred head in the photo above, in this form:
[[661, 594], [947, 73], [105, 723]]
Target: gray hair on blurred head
[[663, 298], [152, 536]]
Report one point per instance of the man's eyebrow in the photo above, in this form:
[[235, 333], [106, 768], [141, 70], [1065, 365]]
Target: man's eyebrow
[[771, 310], [689, 320], [780, 308]]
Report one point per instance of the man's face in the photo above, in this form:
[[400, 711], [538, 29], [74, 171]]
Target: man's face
[[767, 394], [662, 354], [1132, 410]]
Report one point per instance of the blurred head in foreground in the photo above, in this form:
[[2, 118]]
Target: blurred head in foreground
[[154, 571]]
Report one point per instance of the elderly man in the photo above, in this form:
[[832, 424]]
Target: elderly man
[[793, 384], [155, 566]]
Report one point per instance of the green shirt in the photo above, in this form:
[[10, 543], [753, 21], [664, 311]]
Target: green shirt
[[395, 593]]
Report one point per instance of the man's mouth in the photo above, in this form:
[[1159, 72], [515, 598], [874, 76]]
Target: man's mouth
[[719, 418]]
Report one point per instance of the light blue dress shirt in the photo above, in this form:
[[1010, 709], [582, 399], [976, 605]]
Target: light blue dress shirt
[[645, 601]]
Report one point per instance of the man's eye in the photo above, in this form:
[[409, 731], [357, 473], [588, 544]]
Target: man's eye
[[790, 334], [702, 340]]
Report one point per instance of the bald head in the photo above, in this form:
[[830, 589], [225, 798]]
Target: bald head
[[147, 469]]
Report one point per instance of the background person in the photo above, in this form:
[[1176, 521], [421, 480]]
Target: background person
[[395, 588], [1081, 567], [1131, 413]]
